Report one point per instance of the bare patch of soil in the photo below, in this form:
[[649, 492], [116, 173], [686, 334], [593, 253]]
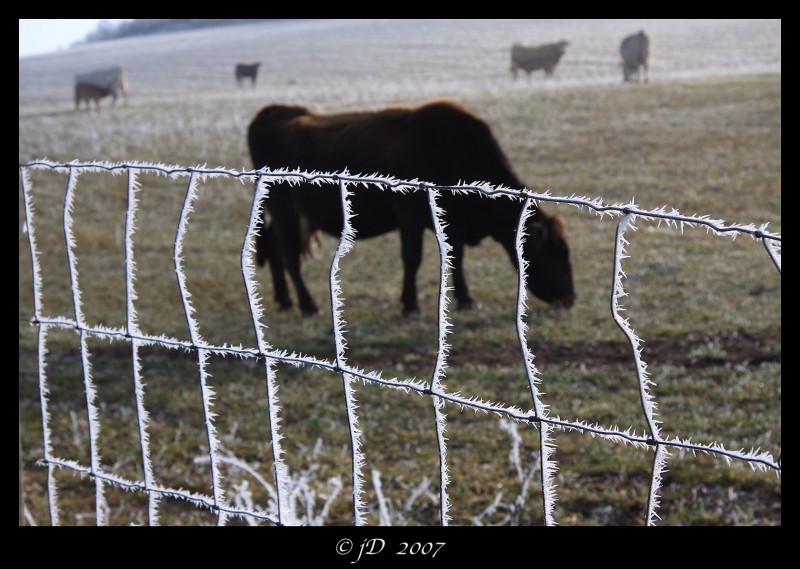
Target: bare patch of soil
[[690, 352]]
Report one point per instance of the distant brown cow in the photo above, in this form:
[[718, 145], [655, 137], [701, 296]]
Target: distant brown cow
[[91, 94], [529, 58], [94, 85], [247, 71], [635, 52]]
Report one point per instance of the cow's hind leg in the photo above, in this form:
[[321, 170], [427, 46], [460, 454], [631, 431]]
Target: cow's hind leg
[[279, 284], [307, 304], [267, 249], [411, 244], [292, 249], [460, 288]]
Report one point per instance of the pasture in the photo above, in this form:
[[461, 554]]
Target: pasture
[[703, 137]]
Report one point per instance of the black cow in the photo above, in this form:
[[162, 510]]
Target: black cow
[[247, 71], [439, 142]]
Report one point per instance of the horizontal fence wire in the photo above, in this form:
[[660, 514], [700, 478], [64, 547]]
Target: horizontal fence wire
[[266, 355]]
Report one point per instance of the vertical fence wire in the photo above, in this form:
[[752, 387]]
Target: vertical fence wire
[[44, 391], [86, 361], [207, 391], [133, 332], [443, 326], [773, 248], [642, 375], [337, 303], [254, 226], [546, 444]]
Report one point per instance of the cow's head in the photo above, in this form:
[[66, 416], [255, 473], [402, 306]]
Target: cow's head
[[549, 270]]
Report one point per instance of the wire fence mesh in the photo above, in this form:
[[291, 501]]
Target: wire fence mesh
[[280, 510]]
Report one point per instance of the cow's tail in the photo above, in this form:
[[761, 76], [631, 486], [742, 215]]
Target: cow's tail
[[310, 240]]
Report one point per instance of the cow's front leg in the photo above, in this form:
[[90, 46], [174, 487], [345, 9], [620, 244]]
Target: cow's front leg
[[411, 244], [460, 288]]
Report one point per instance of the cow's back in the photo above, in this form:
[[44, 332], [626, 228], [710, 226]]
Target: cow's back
[[363, 143], [531, 58], [294, 137], [440, 142], [452, 146], [635, 49]]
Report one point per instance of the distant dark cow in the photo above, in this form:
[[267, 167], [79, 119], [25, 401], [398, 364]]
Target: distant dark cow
[[439, 142], [529, 58], [247, 71], [94, 85], [635, 52]]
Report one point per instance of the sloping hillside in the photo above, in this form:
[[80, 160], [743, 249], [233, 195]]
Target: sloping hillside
[[371, 62]]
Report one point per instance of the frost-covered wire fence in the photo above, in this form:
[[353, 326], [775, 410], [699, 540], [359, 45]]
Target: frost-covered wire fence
[[282, 508]]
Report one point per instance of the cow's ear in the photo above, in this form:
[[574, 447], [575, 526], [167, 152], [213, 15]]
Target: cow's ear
[[560, 226]]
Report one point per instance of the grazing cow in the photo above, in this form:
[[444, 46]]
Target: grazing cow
[[247, 71], [439, 142], [94, 85], [635, 52], [529, 58]]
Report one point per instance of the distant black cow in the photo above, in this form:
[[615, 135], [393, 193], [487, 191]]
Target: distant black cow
[[439, 142], [247, 71]]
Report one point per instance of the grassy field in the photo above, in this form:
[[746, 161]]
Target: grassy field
[[707, 307]]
